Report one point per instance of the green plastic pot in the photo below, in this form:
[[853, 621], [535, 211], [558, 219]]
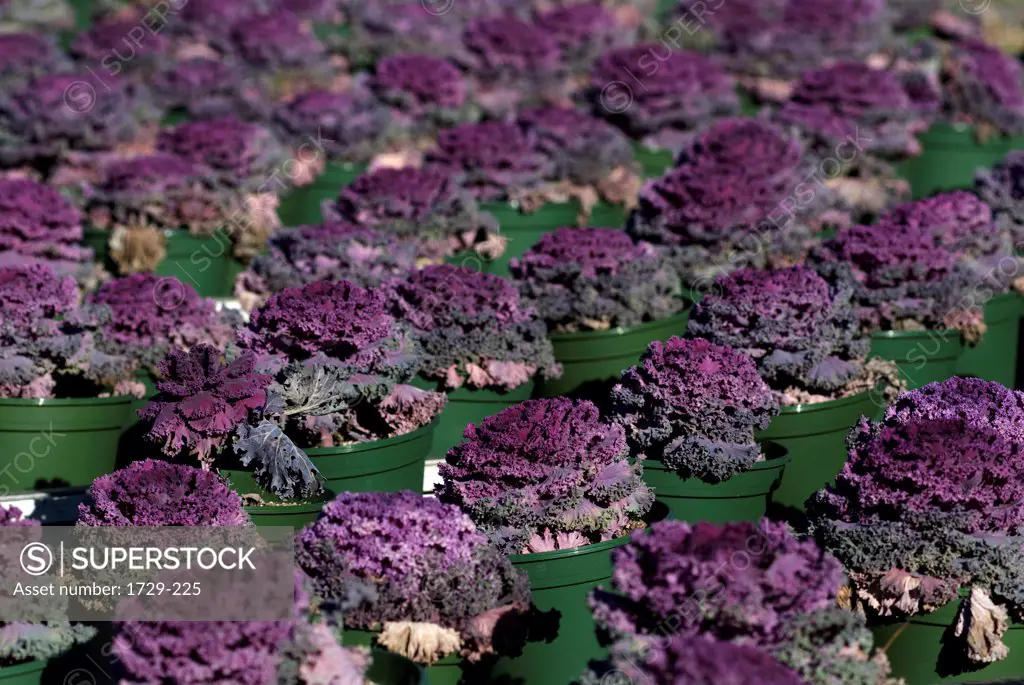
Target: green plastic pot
[[301, 206], [593, 358], [204, 262], [523, 230], [390, 669], [995, 357], [447, 671], [275, 512], [914, 649], [814, 435], [390, 465], [466, 406], [28, 673], [560, 582], [47, 444], [949, 157], [654, 162], [605, 215], [923, 357], [744, 497]]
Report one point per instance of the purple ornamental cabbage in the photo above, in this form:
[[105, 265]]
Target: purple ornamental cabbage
[[801, 332], [277, 40], [201, 653], [474, 328], [112, 44], [385, 29], [544, 475], [1001, 187], [931, 503], [240, 155], [207, 88], [48, 345], [507, 48], [682, 660], [711, 223], [425, 93], [305, 254], [854, 106], [56, 113], [583, 31], [903, 279], [161, 191], [214, 19], [150, 314], [159, 493], [493, 160], [201, 401], [426, 207], [676, 93], [985, 86], [350, 365], [695, 406], [753, 584], [24, 56], [348, 127], [318, 11], [596, 279], [21, 643], [586, 151], [782, 38], [966, 225], [414, 568], [37, 222]]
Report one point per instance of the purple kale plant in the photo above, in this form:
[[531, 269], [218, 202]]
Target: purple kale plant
[[1001, 187], [212, 20], [305, 254], [24, 642], [24, 56], [695, 406], [677, 93], [160, 493], [55, 113], [49, 344], [544, 475], [801, 331], [903, 278], [112, 43], [209, 88], [583, 31], [201, 401], [415, 569], [197, 652], [782, 38], [151, 314], [238, 154], [426, 207], [276, 40], [750, 584], [682, 660], [968, 226], [583, 279], [929, 505], [474, 328], [512, 62], [593, 160], [342, 365], [36, 222], [493, 160], [425, 93], [984, 86], [345, 127], [854, 106]]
